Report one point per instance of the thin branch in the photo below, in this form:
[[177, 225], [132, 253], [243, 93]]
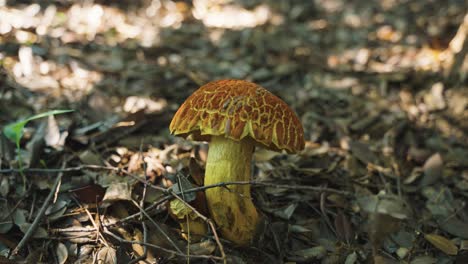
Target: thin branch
[[144, 255], [274, 185], [40, 214], [157, 226], [121, 240], [221, 184], [69, 169], [96, 225]]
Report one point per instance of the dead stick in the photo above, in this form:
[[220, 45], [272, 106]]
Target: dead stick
[[40, 214]]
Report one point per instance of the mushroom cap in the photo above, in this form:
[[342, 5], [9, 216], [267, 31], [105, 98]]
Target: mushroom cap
[[237, 110]]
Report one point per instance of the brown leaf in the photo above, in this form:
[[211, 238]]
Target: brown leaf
[[382, 225], [203, 248], [196, 171], [442, 243], [432, 169], [91, 193], [118, 191], [107, 255]]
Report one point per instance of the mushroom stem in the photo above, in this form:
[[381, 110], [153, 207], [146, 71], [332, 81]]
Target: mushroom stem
[[231, 208]]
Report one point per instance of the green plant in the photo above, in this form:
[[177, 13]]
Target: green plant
[[14, 131]]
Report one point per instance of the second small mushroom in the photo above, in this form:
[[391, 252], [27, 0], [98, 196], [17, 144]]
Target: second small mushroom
[[235, 116]]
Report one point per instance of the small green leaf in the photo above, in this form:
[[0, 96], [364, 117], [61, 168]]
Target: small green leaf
[[14, 131]]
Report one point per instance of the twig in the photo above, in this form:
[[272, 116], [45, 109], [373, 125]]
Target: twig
[[179, 184], [142, 202], [69, 169], [324, 213], [33, 205], [96, 225], [40, 214], [121, 240], [157, 226], [274, 185], [196, 189], [221, 184], [71, 230]]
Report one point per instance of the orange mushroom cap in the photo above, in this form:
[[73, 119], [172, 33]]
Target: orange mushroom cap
[[237, 109]]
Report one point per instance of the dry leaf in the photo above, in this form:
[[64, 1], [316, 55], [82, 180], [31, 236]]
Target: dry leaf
[[432, 169], [107, 255], [62, 253], [118, 191], [196, 171], [442, 243]]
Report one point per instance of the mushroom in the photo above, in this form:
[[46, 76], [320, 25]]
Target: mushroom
[[235, 116]]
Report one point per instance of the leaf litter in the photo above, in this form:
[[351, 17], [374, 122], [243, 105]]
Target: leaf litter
[[380, 89]]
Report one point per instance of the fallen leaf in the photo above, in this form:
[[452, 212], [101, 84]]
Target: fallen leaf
[[206, 247], [424, 260], [442, 243], [362, 152], [40, 232], [91, 193], [432, 169], [118, 191], [454, 226], [106, 255], [62, 253]]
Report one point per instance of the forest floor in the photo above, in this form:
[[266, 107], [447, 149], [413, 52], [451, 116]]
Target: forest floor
[[380, 87]]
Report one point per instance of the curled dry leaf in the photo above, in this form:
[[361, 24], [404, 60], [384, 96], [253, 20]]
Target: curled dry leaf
[[56, 210], [118, 191], [432, 169], [62, 253], [107, 255], [206, 247], [53, 137]]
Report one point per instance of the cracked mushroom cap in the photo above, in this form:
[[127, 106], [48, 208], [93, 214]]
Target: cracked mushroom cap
[[237, 110]]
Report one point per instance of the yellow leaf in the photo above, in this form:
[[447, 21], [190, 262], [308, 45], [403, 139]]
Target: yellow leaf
[[179, 209], [442, 243]]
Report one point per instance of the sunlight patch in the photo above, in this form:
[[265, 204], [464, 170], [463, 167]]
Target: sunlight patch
[[212, 14]]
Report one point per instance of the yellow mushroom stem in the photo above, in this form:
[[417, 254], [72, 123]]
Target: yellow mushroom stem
[[231, 208]]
